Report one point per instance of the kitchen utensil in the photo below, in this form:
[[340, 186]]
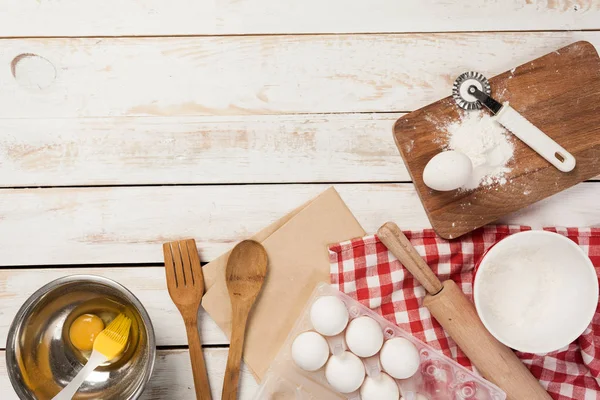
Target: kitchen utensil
[[536, 291], [110, 343], [185, 282], [468, 94], [297, 247], [245, 273], [559, 93], [449, 306], [40, 358]]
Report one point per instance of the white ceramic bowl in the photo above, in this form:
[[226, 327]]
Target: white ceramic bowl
[[536, 291]]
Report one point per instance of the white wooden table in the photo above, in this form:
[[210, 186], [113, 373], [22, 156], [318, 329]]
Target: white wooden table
[[126, 123]]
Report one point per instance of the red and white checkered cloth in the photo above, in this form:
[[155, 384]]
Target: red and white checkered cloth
[[365, 270]]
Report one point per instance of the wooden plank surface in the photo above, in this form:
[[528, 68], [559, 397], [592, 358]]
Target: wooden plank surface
[[128, 224], [189, 17], [147, 284], [163, 150], [172, 377], [177, 76], [200, 150], [241, 109]]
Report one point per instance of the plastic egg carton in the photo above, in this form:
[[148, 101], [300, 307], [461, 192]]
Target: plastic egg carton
[[438, 377]]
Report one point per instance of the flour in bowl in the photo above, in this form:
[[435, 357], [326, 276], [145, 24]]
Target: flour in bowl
[[486, 143], [536, 291]]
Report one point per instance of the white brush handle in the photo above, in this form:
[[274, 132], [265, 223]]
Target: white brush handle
[[96, 359], [533, 137]]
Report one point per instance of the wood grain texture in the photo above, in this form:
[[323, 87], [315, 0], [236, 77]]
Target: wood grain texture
[[163, 150], [188, 17], [177, 76], [172, 377], [227, 110], [559, 93], [129, 224], [245, 274], [199, 150], [398, 244], [185, 282], [147, 284]]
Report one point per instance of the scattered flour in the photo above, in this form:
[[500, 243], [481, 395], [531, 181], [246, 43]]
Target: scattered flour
[[486, 143]]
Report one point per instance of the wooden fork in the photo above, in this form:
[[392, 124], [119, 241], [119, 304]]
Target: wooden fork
[[186, 288]]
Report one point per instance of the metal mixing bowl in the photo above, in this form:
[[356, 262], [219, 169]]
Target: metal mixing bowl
[[41, 359]]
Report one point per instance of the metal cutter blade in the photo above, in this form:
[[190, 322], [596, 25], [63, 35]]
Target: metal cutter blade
[[460, 93]]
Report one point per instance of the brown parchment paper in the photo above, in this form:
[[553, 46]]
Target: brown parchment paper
[[298, 259]]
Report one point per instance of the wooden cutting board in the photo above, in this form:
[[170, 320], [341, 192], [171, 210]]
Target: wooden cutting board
[[559, 93]]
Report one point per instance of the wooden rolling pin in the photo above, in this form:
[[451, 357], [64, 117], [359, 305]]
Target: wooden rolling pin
[[451, 308]]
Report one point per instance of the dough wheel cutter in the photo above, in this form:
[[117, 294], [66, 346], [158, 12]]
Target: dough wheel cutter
[[472, 91]]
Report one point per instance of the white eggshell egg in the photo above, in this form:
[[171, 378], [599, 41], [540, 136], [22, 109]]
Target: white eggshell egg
[[381, 388], [364, 336], [329, 315], [399, 358], [345, 373], [448, 170], [310, 351]]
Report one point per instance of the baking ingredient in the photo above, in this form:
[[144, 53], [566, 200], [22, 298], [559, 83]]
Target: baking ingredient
[[84, 330], [364, 336], [477, 135], [448, 170], [399, 358], [382, 387], [345, 373], [518, 289], [536, 291], [110, 343], [310, 351], [329, 315]]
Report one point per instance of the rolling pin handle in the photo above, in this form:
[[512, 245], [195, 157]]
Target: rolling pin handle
[[399, 245]]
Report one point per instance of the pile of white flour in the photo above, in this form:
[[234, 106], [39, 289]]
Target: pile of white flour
[[518, 288], [486, 143]]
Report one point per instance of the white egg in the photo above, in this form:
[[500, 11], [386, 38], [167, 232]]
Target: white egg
[[345, 373], [381, 388], [399, 358], [448, 170], [364, 336], [310, 351], [329, 315]]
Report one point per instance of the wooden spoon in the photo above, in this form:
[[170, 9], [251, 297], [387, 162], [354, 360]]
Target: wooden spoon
[[244, 275]]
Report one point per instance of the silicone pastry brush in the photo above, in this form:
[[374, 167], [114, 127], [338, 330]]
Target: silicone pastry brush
[[472, 90], [110, 343]]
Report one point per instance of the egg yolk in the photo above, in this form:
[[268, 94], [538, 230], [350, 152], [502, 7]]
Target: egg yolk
[[84, 331]]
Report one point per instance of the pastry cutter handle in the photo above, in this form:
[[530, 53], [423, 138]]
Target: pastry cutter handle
[[533, 137]]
